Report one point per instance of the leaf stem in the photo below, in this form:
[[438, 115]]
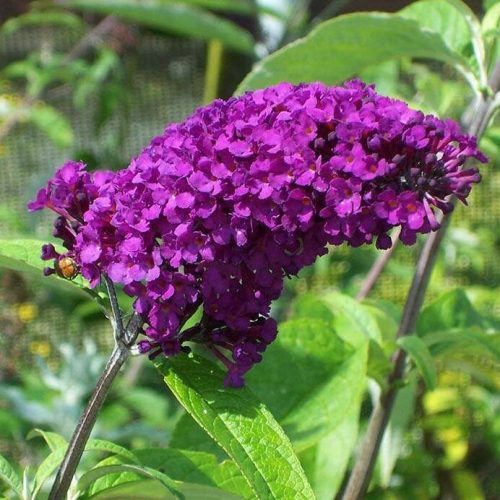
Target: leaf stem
[[361, 473]]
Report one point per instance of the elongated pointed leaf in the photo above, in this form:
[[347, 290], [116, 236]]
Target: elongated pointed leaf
[[53, 123], [422, 357], [89, 477], [42, 18], [393, 440], [175, 18], [457, 339], [185, 466], [241, 424], [342, 47], [9, 476], [109, 447], [153, 490], [46, 469], [53, 440], [51, 463]]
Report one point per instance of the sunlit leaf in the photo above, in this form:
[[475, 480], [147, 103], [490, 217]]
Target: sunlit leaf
[[9, 476], [241, 424], [339, 48]]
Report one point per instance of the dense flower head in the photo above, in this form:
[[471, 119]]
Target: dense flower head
[[220, 208]]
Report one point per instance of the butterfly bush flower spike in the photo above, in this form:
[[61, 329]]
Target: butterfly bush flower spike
[[220, 208]]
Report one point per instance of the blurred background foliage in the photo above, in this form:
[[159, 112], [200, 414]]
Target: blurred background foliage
[[94, 81]]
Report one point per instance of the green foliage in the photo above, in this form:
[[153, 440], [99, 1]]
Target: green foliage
[[360, 40], [178, 18], [420, 354], [41, 18], [181, 465], [10, 476], [54, 123], [24, 255], [327, 383], [452, 310], [292, 432], [241, 425]]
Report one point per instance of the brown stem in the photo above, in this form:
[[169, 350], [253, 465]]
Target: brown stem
[[124, 338], [377, 268], [86, 424], [361, 474]]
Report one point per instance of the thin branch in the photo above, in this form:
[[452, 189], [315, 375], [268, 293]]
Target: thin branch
[[360, 476], [377, 267], [123, 339], [92, 38], [117, 322], [86, 424]]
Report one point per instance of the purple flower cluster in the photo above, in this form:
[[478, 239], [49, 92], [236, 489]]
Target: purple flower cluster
[[217, 210]]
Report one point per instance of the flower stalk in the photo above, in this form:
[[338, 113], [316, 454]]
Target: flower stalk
[[124, 337], [87, 421]]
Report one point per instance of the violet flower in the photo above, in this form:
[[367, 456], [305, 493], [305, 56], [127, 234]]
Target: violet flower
[[219, 209]]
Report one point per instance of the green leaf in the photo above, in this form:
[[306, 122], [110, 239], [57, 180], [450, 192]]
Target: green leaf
[[188, 435], [457, 339], [24, 255], [10, 476], [175, 18], [488, 4], [451, 310], [352, 321], [42, 18], [420, 354], [340, 48], [52, 123], [51, 463], [181, 465], [89, 477], [153, 490], [241, 424], [53, 440], [491, 32], [46, 469], [237, 6], [329, 379], [394, 435], [441, 17], [326, 462], [109, 447], [474, 26], [93, 79]]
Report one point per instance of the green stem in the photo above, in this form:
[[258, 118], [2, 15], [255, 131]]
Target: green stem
[[213, 67]]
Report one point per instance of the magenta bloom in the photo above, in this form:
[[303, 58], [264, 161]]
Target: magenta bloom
[[217, 210]]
